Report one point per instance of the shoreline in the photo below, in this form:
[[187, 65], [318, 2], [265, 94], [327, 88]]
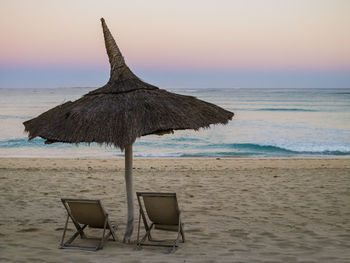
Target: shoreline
[[315, 157]]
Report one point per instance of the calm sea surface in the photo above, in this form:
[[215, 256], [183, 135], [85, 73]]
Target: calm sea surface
[[267, 123]]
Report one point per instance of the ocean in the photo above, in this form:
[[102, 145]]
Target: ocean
[[267, 123]]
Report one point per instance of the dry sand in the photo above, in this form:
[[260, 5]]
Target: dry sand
[[235, 210]]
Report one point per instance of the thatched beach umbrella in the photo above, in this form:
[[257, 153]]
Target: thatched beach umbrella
[[121, 111]]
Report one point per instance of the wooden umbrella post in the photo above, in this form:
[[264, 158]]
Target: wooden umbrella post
[[129, 194]]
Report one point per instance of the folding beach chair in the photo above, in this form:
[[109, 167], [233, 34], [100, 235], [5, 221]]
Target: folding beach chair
[[164, 214], [85, 213]]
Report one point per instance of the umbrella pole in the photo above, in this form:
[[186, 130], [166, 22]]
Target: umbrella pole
[[129, 194]]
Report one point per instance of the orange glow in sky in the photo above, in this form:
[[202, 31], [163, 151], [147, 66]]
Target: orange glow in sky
[[251, 34]]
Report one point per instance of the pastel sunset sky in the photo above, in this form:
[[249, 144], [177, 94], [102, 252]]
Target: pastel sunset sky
[[193, 43]]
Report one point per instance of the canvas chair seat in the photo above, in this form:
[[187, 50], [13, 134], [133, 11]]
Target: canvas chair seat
[[163, 213], [85, 213], [174, 228]]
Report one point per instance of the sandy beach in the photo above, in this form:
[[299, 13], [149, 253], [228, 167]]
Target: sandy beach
[[235, 210]]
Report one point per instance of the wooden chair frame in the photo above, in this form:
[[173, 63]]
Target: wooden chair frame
[[80, 227], [149, 227]]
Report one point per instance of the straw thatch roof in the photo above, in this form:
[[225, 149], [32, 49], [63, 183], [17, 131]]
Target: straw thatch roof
[[124, 109]]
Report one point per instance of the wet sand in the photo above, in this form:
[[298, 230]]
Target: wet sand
[[235, 210]]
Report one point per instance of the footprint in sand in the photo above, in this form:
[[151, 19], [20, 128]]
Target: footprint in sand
[[31, 229]]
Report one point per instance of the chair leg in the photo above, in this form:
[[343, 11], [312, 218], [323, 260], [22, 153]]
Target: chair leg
[[80, 231], [112, 229], [182, 232], [100, 246], [176, 244], [140, 243], [71, 239], [64, 231]]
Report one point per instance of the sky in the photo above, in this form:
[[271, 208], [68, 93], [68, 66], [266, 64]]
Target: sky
[[177, 44]]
